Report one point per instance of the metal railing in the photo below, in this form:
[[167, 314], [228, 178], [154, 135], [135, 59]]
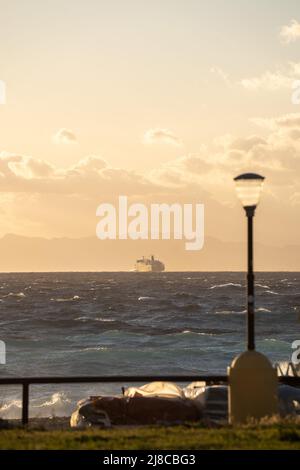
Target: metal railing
[[287, 369], [25, 382]]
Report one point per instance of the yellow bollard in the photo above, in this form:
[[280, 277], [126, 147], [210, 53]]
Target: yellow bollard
[[253, 388]]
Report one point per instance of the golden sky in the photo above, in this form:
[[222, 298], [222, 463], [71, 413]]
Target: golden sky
[[161, 100]]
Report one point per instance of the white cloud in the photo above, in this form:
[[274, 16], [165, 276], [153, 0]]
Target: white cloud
[[269, 81], [290, 33], [24, 166], [90, 163], [286, 121], [273, 81], [219, 72], [89, 177], [63, 200], [213, 166], [64, 136], [158, 135]]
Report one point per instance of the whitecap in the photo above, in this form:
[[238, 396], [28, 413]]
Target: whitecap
[[262, 286], [228, 284], [58, 405], [14, 404], [70, 299], [105, 319], [14, 294], [201, 333], [57, 398], [230, 312], [272, 292]]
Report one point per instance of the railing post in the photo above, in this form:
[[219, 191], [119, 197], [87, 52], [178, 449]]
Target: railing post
[[25, 403]]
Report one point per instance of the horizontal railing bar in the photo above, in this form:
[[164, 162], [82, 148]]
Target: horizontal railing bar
[[128, 378], [27, 381], [289, 380], [112, 379]]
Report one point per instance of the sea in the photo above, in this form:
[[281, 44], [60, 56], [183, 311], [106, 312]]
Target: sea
[[66, 324]]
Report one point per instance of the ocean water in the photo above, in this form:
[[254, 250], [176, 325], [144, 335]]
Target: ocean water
[[130, 323]]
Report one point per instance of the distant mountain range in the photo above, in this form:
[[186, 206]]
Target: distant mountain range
[[18, 253]]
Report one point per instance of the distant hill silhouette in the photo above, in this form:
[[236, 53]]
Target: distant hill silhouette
[[19, 253]]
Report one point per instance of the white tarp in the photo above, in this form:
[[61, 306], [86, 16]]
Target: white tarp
[[156, 389]]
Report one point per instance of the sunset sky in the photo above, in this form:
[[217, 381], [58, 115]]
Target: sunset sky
[[161, 100]]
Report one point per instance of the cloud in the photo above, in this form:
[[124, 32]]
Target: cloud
[[281, 78], [44, 199], [219, 72], [65, 136], [246, 143], [290, 33], [89, 164], [158, 135], [286, 121], [24, 166], [272, 81], [277, 155], [89, 177]]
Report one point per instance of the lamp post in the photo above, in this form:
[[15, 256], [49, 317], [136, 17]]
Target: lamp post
[[252, 379], [248, 188]]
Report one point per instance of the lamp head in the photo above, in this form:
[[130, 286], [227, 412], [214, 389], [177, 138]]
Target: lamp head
[[248, 188]]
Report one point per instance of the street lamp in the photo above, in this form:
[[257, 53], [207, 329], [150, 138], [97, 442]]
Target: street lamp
[[252, 380], [248, 187]]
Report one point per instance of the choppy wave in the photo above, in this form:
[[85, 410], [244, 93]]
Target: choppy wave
[[105, 320], [227, 284], [272, 292], [183, 323], [99, 319], [200, 333], [59, 404], [15, 294], [231, 312], [70, 299]]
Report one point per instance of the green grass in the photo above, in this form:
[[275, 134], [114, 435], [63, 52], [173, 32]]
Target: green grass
[[275, 436]]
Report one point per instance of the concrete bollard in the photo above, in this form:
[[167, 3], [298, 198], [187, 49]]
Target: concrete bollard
[[253, 388]]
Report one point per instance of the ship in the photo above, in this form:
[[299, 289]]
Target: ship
[[149, 265]]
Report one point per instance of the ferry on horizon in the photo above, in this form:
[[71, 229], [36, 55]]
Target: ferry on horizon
[[149, 265]]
